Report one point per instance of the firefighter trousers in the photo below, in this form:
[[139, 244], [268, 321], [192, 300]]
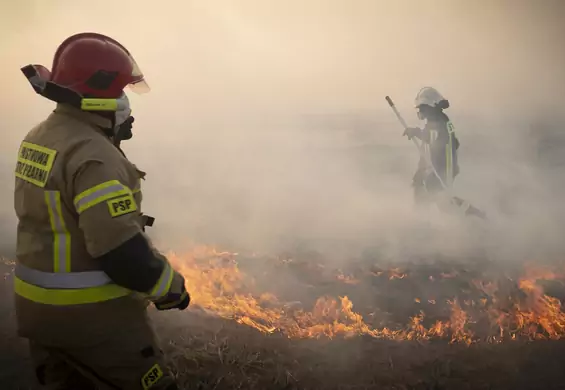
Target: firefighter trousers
[[120, 363]]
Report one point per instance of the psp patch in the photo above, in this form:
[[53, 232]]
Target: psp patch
[[122, 205], [151, 377]]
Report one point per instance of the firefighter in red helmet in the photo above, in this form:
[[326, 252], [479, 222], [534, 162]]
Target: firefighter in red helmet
[[85, 270]]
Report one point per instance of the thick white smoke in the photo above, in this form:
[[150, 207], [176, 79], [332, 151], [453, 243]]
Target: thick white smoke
[[267, 127]]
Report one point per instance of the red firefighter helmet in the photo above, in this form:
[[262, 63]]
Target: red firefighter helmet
[[94, 65]]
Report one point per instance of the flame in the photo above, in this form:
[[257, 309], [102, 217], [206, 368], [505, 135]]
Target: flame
[[396, 273], [219, 287], [348, 279]]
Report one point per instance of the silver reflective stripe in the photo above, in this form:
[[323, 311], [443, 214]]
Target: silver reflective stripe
[[433, 136], [62, 238], [164, 282], [67, 280], [97, 196]]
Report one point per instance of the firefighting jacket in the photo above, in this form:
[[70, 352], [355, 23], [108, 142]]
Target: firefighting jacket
[[78, 202], [440, 146]]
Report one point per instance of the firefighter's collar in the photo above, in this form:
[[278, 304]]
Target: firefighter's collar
[[83, 116]]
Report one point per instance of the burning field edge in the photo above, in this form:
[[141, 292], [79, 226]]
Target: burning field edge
[[301, 297], [296, 322], [218, 354]]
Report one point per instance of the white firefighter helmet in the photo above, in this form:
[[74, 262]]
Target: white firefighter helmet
[[430, 97]]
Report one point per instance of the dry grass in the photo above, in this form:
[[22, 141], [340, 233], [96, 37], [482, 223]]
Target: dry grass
[[211, 353]]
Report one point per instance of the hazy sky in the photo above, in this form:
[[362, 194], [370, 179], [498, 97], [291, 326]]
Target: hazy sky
[[230, 78], [321, 52]]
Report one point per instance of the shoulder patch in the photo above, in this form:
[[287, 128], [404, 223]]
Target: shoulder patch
[[122, 205], [151, 377], [35, 163], [450, 127]]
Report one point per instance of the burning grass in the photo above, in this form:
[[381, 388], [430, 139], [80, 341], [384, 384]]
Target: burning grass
[[291, 323], [462, 305], [294, 322]]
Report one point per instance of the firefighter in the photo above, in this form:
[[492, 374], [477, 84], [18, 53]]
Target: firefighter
[[438, 165], [85, 270], [438, 157]]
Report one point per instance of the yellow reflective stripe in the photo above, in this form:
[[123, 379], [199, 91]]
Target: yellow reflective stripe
[[88, 104], [449, 154], [62, 297], [99, 193], [449, 160], [61, 236], [164, 283], [173, 304]]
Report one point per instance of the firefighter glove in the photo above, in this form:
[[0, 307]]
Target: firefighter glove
[[411, 132], [176, 298]]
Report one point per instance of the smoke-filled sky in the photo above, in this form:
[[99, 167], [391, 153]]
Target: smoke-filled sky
[[267, 120]]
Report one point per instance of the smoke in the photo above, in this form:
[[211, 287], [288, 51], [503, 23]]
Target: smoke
[[267, 129]]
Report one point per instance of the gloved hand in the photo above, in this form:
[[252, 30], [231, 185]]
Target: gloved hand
[[411, 132], [176, 298]]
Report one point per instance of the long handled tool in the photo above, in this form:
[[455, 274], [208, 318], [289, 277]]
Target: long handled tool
[[403, 123], [455, 200]]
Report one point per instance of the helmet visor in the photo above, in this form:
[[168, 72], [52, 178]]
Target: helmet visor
[[138, 84]]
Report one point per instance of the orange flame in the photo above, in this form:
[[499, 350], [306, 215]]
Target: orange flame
[[218, 287]]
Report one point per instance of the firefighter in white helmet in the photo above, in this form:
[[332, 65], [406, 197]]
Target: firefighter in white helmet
[[439, 144], [438, 165]]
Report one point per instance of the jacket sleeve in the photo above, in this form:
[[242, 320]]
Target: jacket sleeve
[[110, 221]]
